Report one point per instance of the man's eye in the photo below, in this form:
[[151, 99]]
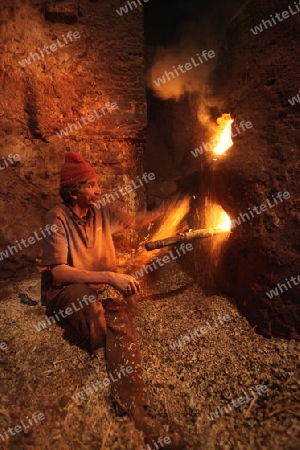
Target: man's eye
[[91, 185]]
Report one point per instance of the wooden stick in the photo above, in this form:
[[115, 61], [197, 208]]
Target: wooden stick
[[250, 407], [285, 408]]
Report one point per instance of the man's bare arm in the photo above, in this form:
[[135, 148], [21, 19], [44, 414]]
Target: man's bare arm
[[66, 274], [63, 273]]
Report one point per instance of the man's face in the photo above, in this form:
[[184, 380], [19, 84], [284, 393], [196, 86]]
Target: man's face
[[88, 192]]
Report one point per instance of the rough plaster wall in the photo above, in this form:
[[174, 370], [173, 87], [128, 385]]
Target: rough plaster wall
[[105, 65], [256, 77]]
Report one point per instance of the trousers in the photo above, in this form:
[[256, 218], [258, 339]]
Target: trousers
[[108, 324]]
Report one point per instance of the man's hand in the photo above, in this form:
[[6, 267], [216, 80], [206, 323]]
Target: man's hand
[[125, 283]]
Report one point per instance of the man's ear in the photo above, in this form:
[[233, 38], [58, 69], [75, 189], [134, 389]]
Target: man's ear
[[73, 194]]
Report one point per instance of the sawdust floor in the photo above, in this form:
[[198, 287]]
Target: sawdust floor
[[41, 371]]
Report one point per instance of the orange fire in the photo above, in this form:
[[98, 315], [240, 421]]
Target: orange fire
[[223, 139], [224, 222], [171, 224], [217, 218]]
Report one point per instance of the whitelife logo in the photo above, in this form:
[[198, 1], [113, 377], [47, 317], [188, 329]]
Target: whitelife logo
[[108, 198], [124, 9], [159, 443], [294, 100], [274, 292], [263, 207], [3, 346], [86, 391], [188, 66], [185, 339], [19, 428], [268, 23], [64, 313], [90, 118], [243, 125], [53, 47], [260, 389], [164, 260], [12, 160], [31, 240]]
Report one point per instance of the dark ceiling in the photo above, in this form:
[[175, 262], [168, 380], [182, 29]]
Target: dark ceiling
[[166, 19], [163, 18]]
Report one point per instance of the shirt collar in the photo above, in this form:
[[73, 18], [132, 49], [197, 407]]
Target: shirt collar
[[82, 221]]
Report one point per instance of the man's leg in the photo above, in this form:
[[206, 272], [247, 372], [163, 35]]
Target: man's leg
[[87, 318], [130, 391], [122, 350]]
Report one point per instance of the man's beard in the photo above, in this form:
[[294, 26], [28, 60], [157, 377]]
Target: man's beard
[[94, 200]]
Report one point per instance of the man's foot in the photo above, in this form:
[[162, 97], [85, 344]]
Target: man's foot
[[170, 441], [153, 432], [143, 421]]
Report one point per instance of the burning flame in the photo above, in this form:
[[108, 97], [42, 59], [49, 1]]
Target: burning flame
[[217, 218], [170, 225], [224, 222], [223, 139]]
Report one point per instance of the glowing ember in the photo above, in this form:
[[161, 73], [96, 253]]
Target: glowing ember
[[223, 139]]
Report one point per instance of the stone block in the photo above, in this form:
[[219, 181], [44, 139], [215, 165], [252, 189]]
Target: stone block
[[66, 12]]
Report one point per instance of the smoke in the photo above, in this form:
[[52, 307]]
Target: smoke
[[168, 60], [202, 33]]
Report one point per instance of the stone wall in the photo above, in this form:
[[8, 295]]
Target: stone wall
[[257, 74], [54, 91]]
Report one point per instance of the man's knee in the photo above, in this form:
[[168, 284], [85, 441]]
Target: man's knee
[[118, 316], [82, 290], [80, 295]]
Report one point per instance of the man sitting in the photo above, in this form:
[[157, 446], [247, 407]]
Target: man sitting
[[80, 257]]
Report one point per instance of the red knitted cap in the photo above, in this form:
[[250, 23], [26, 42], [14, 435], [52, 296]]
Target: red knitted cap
[[75, 170]]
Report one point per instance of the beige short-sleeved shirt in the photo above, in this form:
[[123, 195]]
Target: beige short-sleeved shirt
[[85, 244]]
